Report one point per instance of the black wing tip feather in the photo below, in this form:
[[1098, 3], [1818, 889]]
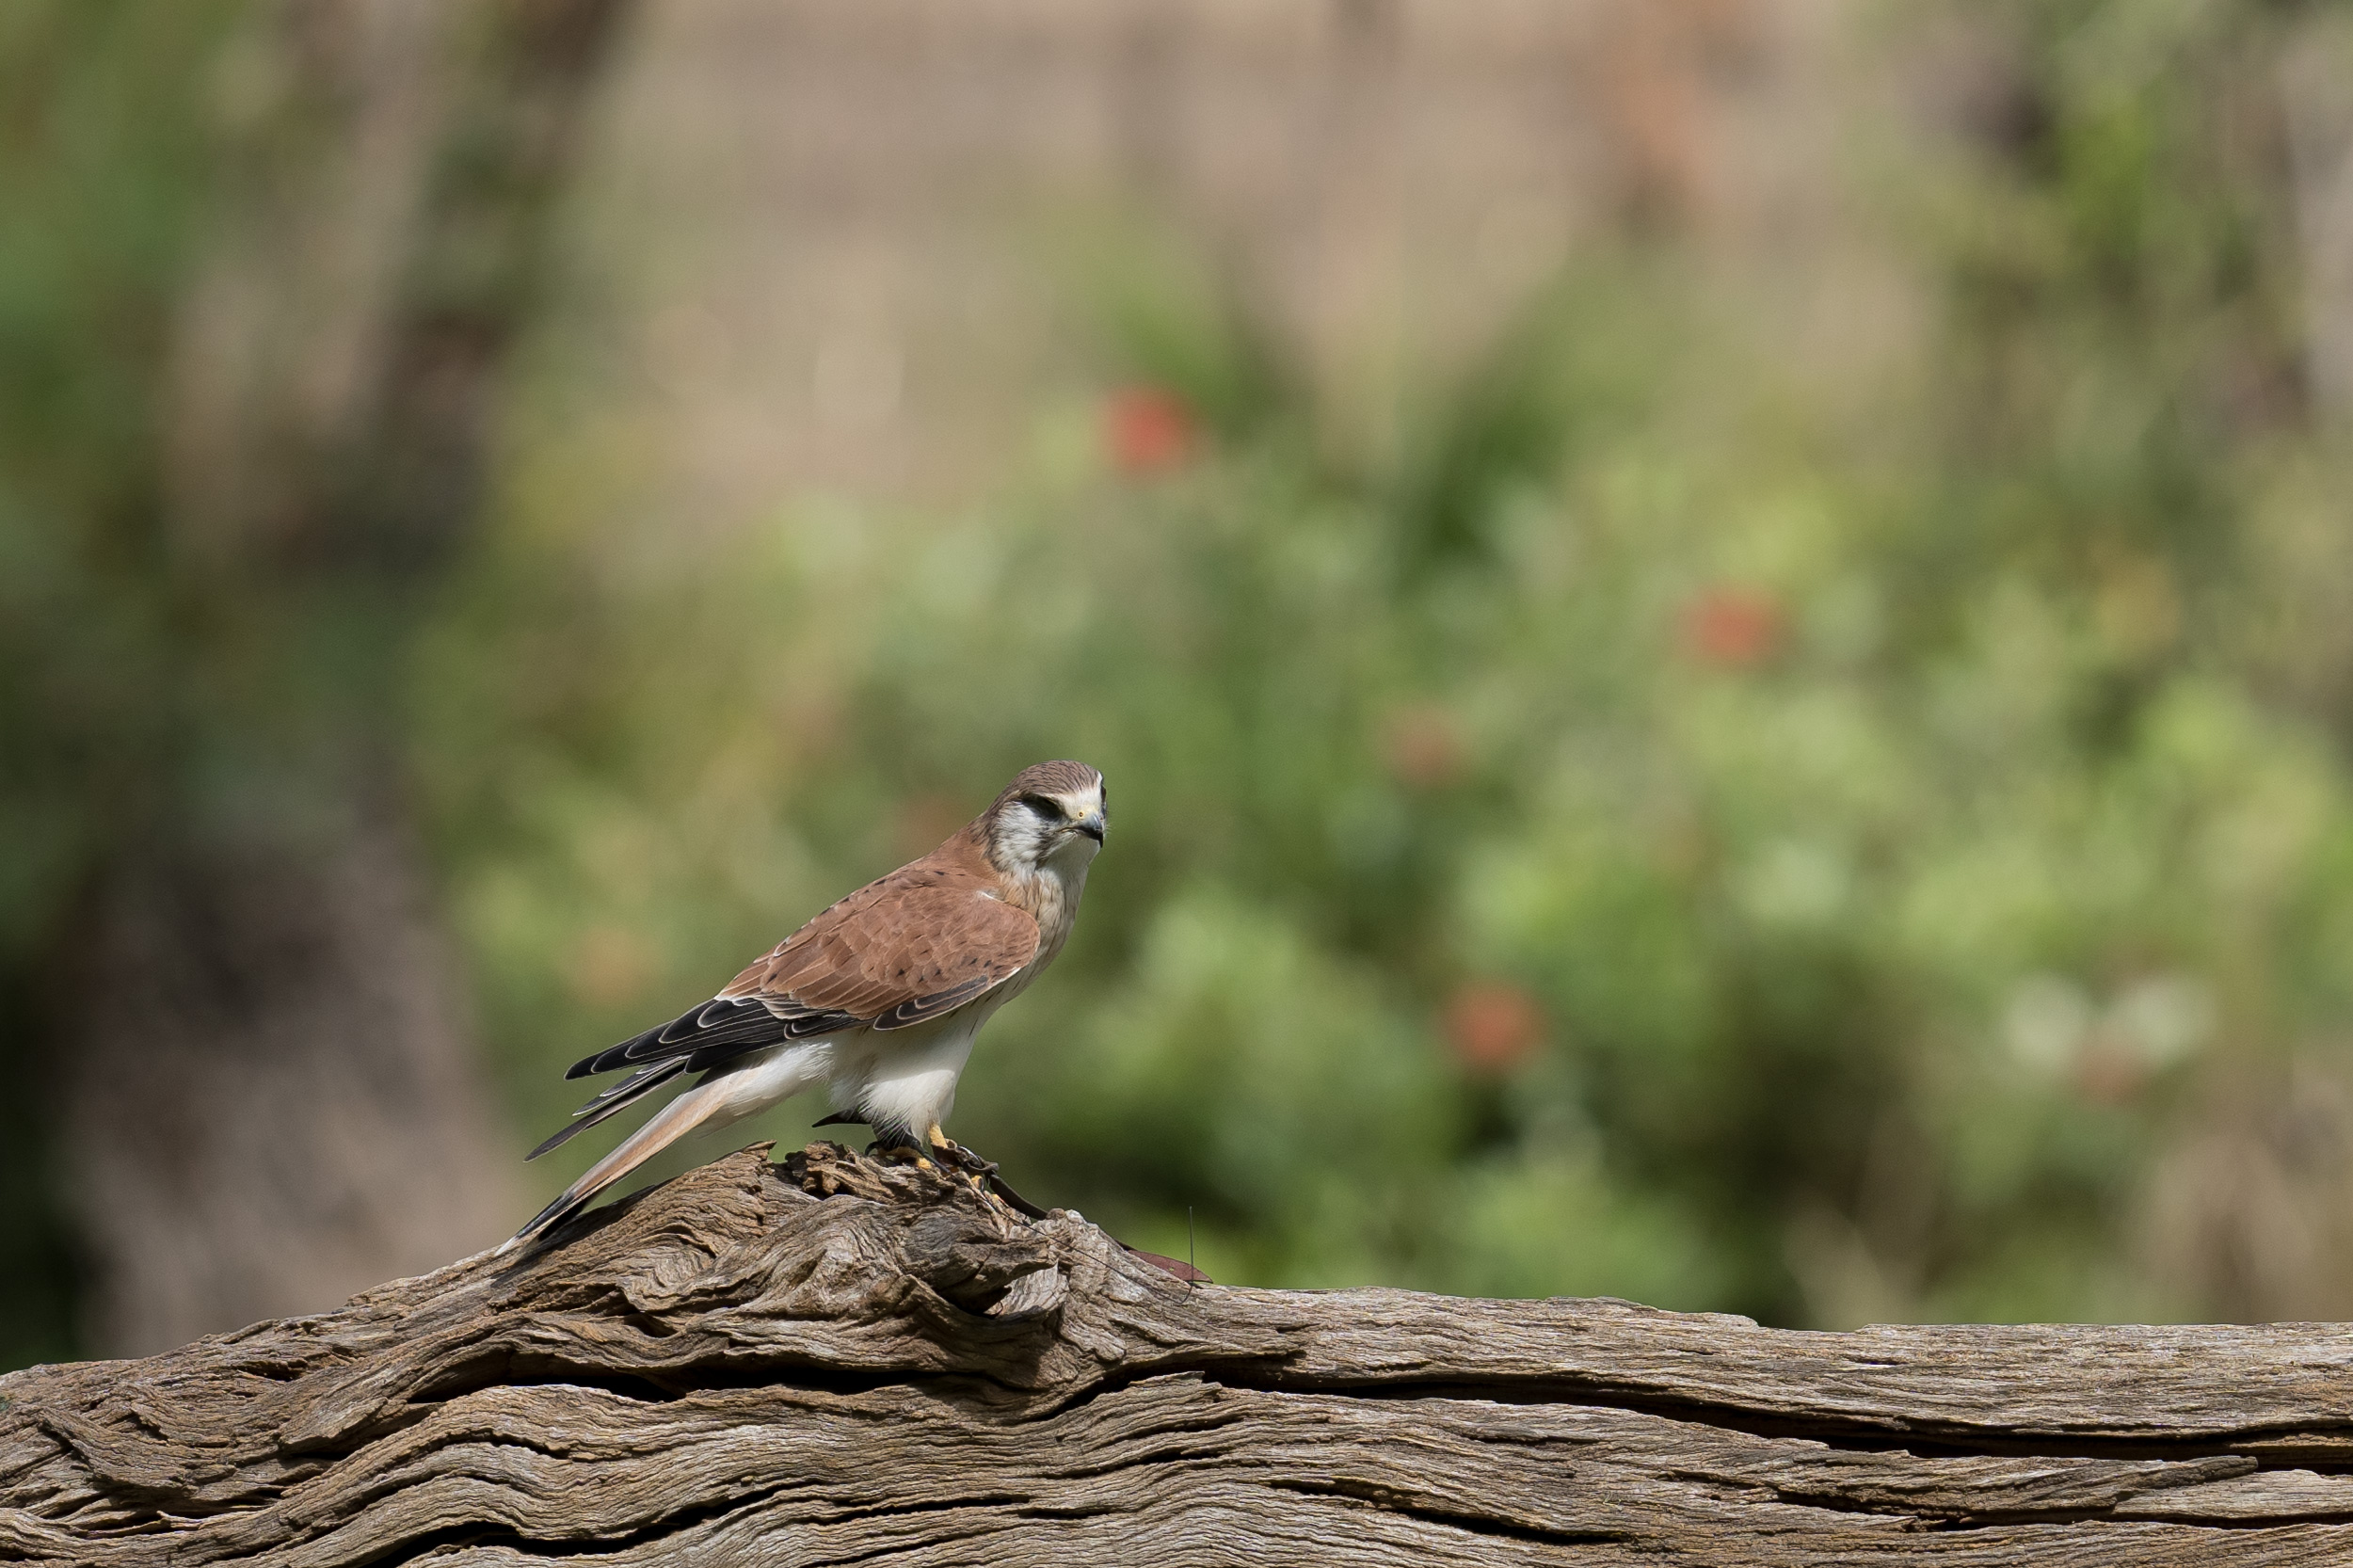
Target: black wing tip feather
[[738, 1022], [724, 1026], [555, 1214], [609, 1057], [555, 1140], [612, 1103]]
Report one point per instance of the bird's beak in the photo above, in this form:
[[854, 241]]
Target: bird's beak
[[1092, 825]]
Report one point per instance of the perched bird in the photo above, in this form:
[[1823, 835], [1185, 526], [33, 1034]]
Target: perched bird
[[878, 997]]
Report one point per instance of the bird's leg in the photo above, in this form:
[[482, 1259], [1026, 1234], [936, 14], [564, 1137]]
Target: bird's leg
[[982, 1174], [947, 1154], [957, 1157]]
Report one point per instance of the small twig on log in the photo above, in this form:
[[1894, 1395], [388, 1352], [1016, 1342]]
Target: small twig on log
[[833, 1359]]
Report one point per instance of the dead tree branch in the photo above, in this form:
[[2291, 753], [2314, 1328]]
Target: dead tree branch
[[734, 1368]]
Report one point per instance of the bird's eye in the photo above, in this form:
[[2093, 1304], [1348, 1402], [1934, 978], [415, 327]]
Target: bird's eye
[[1050, 809]]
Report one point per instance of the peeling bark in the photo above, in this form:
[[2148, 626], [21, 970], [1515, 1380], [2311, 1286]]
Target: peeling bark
[[732, 1368]]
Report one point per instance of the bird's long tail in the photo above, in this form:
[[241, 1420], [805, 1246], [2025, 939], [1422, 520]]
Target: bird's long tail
[[715, 1103], [612, 1102]]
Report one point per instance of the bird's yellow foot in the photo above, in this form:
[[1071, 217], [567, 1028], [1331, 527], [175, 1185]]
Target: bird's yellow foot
[[955, 1157]]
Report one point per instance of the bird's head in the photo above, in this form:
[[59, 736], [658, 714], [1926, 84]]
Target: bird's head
[[1051, 817]]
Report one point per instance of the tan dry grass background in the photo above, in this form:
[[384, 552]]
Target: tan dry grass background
[[835, 222]]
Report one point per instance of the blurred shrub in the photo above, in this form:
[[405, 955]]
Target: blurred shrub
[[1666, 829], [1871, 837], [100, 212]]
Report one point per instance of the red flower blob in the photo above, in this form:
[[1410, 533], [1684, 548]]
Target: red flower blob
[[1732, 628], [1148, 430], [1493, 1026], [1423, 747]]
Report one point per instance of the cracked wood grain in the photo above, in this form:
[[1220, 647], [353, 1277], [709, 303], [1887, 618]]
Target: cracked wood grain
[[832, 1361]]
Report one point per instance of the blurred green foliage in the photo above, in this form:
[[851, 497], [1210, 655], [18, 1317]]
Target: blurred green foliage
[[105, 173], [1668, 828], [203, 672], [1893, 803]]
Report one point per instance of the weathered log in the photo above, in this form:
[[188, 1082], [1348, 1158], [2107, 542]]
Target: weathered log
[[737, 1368]]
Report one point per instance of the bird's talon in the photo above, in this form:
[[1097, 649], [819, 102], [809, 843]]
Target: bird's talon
[[956, 1157]]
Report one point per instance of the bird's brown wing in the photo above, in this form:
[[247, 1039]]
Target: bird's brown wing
[[897, 952], [909, 954]]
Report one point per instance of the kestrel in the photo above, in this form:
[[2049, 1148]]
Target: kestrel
[[878, 997]]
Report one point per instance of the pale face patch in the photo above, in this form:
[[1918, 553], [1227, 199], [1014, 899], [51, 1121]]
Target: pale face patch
[[1035, 831]]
